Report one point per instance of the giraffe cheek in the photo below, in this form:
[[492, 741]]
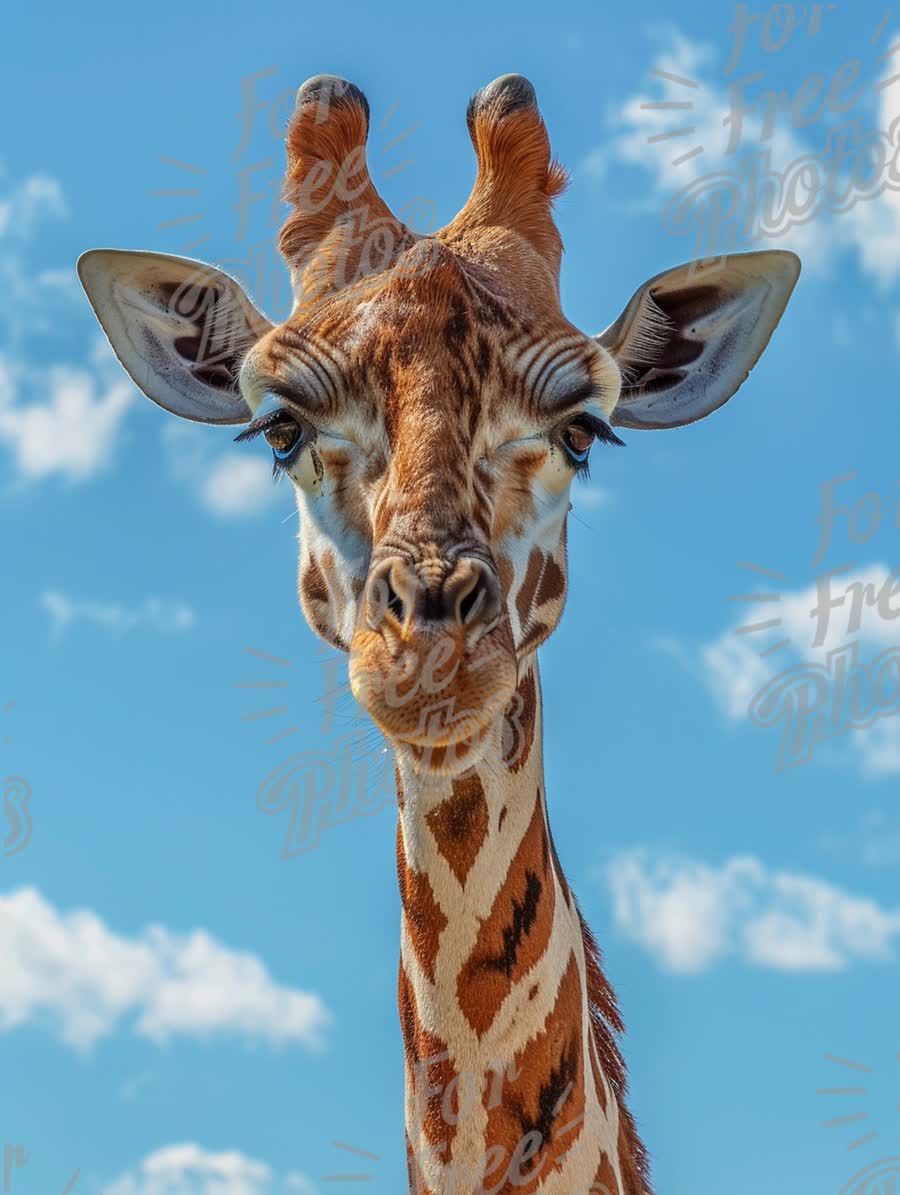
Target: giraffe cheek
[[541, 595], [308, 473], [328, 597], [556, 475]]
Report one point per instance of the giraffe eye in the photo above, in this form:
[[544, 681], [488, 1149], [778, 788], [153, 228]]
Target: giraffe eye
[[577, 440], [286, 435], [577, 437]]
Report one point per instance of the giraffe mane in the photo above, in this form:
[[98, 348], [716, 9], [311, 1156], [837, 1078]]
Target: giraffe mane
[[607, 1027]]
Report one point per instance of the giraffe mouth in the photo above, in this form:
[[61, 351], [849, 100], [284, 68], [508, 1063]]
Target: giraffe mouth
[[466, 731], [437, 711]]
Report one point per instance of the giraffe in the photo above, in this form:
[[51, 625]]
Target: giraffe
[[431, 405]]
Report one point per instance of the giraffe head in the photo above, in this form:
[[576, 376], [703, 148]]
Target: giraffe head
[[429, 400]]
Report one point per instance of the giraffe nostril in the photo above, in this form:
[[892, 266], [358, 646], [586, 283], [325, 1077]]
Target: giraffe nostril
[[469, 596], [472, 603], [393, 600], [471, 593], [391, 590]]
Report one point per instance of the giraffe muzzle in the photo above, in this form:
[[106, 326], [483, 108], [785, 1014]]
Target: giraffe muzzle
[[432, 660], [464, 595]]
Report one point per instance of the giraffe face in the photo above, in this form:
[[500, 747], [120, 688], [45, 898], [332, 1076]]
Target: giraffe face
[[428, 399], [432, 427]]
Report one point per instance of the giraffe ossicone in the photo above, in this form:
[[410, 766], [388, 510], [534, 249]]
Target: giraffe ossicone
[[431, 405]]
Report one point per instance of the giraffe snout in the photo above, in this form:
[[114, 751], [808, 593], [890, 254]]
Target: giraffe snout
[[464, 594], [432, 660]]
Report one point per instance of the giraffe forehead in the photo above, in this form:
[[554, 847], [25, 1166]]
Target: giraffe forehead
[[450, 345], [396, 360]]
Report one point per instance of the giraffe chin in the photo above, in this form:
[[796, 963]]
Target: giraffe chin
[[451, 759], [437, 704]]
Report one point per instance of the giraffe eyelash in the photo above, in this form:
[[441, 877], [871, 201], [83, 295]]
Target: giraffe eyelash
[[599, 429]]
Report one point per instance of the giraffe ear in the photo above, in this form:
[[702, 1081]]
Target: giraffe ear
[[180, 328], [690, 336]]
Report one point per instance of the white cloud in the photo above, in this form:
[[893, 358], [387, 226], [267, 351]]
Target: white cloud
[[732, 667], [111, 616], [60, 420], [31, 301], [734, 672], [881, 841], [229, 484], [73, 973], [191, 1170], [38, 198], [879, 747], [875, 226], [71, 430], [238, 485], [689, 915], [871, 228], [593, 497]]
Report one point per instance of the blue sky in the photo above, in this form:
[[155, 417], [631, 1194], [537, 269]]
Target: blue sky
[[180, 1006]]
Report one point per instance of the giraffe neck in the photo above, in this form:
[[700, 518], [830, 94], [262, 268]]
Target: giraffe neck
[[514, 1082]]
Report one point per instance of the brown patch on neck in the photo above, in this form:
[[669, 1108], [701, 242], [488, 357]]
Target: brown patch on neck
[[605, 1181], [423, 915], [515, 935], [460, 825], [434, 1078], [542, 1114]]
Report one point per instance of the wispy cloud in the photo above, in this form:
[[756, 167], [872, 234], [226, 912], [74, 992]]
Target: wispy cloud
[[238, 485], [28, 204], [60, 420], [151, 614], [32, 300], [645, 125], [591, 497], [72, 973], [70, 430], [875, 840], [189, 1169], [734, 668], [690, 915], [879, 748], [229, 484]]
